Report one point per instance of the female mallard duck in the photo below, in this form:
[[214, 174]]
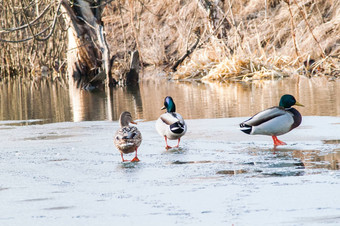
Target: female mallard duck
[[128, 138], [170, 124], [274, 121]]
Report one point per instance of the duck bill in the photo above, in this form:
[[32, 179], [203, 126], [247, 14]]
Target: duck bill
[[163, 108], [133, 122], [298, 104]]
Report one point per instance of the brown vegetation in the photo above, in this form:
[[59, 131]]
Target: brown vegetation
[[26, 48], [266, 39], [260, 39]]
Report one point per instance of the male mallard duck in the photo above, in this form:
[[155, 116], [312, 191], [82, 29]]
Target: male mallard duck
[[170, 124], [274, 121], [128, 138]]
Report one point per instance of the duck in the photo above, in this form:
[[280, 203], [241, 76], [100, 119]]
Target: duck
[[171, 124], [274, 121], [128, 138]]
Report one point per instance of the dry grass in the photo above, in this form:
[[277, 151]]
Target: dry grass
[[267, 39], [27, 58], [261, 37], [162, 28]]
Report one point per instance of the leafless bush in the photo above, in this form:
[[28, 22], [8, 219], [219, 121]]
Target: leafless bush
[[262, 35], [32, 36]]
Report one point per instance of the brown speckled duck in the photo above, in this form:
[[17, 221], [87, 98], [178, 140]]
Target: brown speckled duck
[[128, 138]]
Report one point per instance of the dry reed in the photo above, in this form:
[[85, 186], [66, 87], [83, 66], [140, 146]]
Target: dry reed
[[32, 36], [266, 40], [269, 39]]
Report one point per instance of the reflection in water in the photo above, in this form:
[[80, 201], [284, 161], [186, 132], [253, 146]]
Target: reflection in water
[[285, 161], [24, 100], [127, 99], [87, 105], [101, 105], [317, 159], [20, 100]]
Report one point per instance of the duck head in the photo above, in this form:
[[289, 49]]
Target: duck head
[[169, 104], [288, 100], [125, 118]]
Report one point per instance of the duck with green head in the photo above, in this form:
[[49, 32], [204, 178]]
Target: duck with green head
[[171, 124], [274, 121], [128, 138]]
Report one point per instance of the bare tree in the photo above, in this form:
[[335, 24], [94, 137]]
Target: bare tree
[[88, 53], [37, 26]]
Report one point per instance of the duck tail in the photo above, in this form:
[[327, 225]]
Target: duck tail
[[245, 128], [177, 127]]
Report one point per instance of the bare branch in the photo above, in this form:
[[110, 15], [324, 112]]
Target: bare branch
[[36, 36], [7, 30]]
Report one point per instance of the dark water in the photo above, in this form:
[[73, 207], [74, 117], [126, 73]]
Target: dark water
[[56, 102]]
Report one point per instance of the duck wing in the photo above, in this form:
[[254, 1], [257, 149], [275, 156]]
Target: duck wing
[[128, 134], [169, 118], [131, 132], [264, 116], [175, 121], [274, 121]]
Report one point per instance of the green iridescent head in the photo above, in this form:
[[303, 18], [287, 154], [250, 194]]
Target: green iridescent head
[[288, 100], [169, 104]]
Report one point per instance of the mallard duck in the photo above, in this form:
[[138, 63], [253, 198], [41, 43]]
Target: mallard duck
[[274, 121], [170, 124], [128, 138]]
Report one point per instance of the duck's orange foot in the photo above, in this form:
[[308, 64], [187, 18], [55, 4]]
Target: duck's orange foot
[[135, 159], [167, 147], [277, 142], [123, 160]]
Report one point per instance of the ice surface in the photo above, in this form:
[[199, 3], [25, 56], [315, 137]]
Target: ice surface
[[71, 174]]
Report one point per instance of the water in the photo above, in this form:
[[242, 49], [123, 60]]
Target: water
[[70, 173], [55, 102]]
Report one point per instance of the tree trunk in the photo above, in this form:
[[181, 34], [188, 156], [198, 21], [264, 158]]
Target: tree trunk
[[88, 55]]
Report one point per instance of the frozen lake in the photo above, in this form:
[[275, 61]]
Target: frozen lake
[[70, 173]]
